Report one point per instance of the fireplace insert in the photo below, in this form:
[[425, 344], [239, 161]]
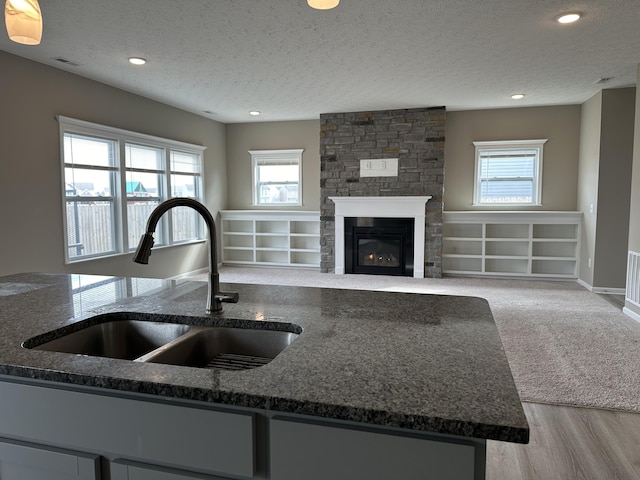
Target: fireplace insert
[[379, 246]]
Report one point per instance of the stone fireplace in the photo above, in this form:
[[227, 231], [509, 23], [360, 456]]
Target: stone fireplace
[[409, 140]]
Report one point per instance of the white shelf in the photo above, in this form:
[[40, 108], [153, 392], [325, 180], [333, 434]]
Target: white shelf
[[555, 240], [523, 244], [271, 238]]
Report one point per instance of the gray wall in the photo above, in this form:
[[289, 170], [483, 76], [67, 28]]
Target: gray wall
[[561, 125], [242, 137], [588, 182], [606, 153], [31, 94], [634, 223], [614, 187], [634, 211]]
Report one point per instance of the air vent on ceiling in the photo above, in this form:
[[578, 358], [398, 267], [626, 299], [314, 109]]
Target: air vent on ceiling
[[66, 61], [602, 80]]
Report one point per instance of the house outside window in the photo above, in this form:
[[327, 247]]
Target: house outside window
[[185, 170], [145, 180], [277, 177], [113, 179], [508, 173]]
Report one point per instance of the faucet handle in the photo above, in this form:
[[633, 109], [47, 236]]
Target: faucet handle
[[228, 297]]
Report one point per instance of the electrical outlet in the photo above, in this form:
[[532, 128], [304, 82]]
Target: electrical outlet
[[589, 263]]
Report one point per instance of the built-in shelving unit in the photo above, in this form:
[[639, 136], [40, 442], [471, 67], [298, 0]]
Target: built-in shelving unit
[[267, 237], [525, 244]]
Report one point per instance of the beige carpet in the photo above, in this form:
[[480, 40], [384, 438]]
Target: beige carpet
[[565, 344]]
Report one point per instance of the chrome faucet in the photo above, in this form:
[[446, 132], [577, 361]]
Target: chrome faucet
[[215, 297]]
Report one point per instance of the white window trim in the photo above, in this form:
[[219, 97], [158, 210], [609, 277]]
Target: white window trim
[[508, 145], [82, 126], [122, 136], [257, 155]]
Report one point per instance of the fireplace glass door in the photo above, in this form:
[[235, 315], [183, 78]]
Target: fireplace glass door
[[381, 246]]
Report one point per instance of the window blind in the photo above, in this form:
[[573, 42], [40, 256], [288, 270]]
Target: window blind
[[507, 176]]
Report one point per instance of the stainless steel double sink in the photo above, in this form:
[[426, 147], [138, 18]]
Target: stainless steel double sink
[[159, 339]]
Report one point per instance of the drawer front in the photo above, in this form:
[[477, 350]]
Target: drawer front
[[122, 470], [172, 435], [21, 460], [318, 452]]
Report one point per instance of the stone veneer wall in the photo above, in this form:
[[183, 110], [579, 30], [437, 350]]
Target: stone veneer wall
[[414, 136]]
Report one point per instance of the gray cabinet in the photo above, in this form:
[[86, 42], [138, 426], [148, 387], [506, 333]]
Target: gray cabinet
[[173, 434], [123, 470], [147, 438], [22, 461], [301, 450]]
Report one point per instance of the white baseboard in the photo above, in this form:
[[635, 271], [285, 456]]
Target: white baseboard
[[584, 284], [630, 313], [602, 290], [609, 291], [189, 274]]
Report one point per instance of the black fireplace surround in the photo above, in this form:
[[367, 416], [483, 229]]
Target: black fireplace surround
[[379, 246]]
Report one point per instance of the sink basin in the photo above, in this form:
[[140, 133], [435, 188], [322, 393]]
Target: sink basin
[[153, 338], [126, 339], [224, 347]]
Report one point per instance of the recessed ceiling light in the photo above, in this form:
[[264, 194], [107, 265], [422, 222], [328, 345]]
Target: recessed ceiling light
[[569, 17], [137, 60], [517, 96], [323, 4], [255, 113]]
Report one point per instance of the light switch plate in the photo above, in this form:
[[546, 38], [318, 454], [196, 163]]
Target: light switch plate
[[379, 167]]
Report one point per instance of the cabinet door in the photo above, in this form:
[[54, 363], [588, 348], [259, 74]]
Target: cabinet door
[[121, 470], [20, 461], [208, 439], [317, 452]]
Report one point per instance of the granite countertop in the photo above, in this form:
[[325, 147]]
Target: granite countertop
[[422, 362]]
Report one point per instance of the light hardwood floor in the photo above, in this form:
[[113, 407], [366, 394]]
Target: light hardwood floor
[[570, 443]]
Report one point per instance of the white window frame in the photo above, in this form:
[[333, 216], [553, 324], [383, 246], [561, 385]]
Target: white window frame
[[293, 156], [122, 138], [536, 197]]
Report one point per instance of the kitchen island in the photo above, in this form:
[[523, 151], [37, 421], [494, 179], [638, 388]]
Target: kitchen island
[[377, 385]]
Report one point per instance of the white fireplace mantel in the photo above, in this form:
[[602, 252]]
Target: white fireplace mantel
[[381, 207]]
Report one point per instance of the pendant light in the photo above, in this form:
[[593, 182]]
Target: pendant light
[[23, 19], [323, 4]]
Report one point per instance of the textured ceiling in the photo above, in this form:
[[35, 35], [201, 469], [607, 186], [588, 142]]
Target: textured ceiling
[[291, 62]]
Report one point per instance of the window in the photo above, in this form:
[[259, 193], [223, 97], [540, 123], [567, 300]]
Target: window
[[508, 173], [113, 179], [277, 177], [91, 291]]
